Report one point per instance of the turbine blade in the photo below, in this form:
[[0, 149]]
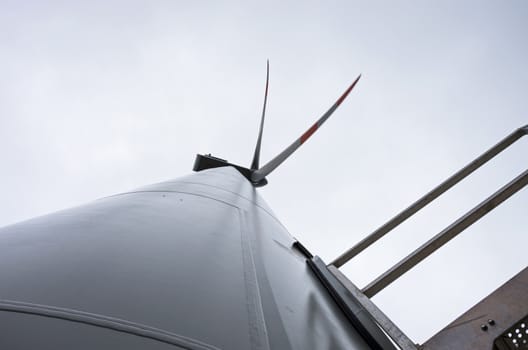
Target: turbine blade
[[261, 173], [256, 155]]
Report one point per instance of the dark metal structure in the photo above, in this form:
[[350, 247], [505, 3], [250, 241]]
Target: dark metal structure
[[498, 322], [199, 262]]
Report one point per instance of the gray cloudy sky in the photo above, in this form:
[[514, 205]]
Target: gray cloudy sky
[[100, 97]]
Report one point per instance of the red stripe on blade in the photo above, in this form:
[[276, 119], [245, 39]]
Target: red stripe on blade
[[308, 133], [342, 98]]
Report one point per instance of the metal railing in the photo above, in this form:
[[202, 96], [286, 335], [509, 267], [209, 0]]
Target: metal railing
[[363, 296], [429, 197], [449, 232]]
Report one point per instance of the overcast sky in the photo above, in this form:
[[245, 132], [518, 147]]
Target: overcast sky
[[100, 97]]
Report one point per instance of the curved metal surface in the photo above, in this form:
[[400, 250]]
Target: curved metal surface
[[104, 322], [202, 257]]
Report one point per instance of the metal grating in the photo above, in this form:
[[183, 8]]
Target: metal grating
[[515, 337]]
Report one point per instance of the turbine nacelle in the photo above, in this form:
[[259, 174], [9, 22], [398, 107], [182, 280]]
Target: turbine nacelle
[[207, 161]]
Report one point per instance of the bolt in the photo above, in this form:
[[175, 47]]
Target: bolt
[[484, 327], [491, 322]]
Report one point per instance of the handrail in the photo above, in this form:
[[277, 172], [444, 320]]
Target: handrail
[[429, 197], [446, 235]]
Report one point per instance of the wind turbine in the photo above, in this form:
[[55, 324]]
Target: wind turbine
[[202, 262]]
